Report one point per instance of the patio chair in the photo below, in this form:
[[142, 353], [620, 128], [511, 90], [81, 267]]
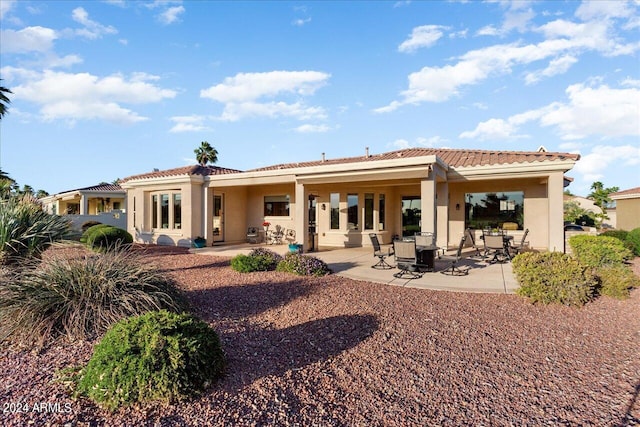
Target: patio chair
[[406, 260], [377, 252], [290, 236], [471, 235], [252, 235], [452, 268], [277, 235], [495, 244], [522, 245]]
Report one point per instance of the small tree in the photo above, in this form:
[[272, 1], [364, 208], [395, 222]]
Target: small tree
[[206, 154], [600, 194]]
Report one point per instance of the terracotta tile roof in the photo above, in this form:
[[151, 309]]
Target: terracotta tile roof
[[453, 157], [103, 186], [630, 191], [184, 170]]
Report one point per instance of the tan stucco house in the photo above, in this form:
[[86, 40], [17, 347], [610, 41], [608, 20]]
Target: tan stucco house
[[105, 203], [343, 200], [627, 208]]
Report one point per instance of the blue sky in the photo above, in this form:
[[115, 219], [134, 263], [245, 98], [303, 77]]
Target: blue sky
[[108, 89]]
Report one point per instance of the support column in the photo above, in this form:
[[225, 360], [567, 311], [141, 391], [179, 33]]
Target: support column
[[302, 217], [555, 189], [84, 205], [442, 214], [206, 211], [428, 204]]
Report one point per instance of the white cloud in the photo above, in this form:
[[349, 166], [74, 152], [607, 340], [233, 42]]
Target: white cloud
[[299, 22], [493, 129], [236, 111], [631, 82], [171, 15], [29, 39], [423, 36], [309, 128], [188, 124], [604, 9], [244, 94], [589, 111], [92, 29], [564, 42], [517, 17], [5, 7], [596, 111], [434, 141], [593, 165], [556, 66], [84, 96]]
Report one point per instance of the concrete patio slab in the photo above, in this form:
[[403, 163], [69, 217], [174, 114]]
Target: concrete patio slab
[[355, 263]]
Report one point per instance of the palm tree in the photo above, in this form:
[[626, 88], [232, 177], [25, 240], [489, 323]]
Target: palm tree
[[206, 154], [4, 100]]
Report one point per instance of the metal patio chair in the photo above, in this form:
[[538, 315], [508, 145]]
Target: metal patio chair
[[377, 252], [452, 268], [406, 259]]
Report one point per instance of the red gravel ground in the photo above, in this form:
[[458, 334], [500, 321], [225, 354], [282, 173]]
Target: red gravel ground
[[334, 351]]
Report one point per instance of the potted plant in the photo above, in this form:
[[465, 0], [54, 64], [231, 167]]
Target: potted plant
[[266, 225], [199, 242]]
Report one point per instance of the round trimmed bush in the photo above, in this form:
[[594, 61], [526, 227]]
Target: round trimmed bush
[[617, 281], [158, 356], [88, 224], [553, 277], [599, 251], [108, 237], [303, 265], [259, 259], [80, 298], [90, 230]]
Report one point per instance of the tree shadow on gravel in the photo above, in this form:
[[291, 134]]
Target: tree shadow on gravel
[[256, 352], [240, 301], [219, 263]]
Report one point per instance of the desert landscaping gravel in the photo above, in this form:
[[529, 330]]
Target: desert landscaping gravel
[[332, 351]]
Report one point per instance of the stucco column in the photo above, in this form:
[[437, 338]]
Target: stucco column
[[301, 217], [206, 212], [555, 189], [84, 205], [442, 214], [428, 204]]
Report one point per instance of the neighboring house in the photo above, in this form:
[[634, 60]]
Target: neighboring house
[[104, 202], [627, 208], [585, 203], [342, 200]]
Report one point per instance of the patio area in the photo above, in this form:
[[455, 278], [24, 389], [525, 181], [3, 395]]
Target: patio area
[[355, 263]]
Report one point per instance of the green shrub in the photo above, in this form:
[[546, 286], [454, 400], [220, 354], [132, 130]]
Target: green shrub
[[103, 238], [599, 251], [634, 240], [617, 281], [244, 263], [621, 235], [91, 230], [259, 259], [303, 265], [553, 277], [26, 230], [81, 298], [88, 224], [618, 234], [158, 356]]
